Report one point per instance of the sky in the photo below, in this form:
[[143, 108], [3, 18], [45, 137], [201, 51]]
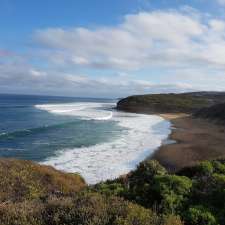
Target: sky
[[103, 48]]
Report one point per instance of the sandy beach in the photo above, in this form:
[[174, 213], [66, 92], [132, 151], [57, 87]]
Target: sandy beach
[[195, 140]]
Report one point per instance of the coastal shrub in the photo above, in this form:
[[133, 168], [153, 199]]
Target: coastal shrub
[[85, 209], [209, 190], [38, 195], [172, 220], [217, 190], [24, 180], [205, 168], [152, 187], [137, 185], [146, 171], [23, 213], [135, 214], [219, 166], [111, 188], [141, 180], [172, 191], [199, 215]]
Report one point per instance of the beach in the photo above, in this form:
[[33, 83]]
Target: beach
[[191, 140]]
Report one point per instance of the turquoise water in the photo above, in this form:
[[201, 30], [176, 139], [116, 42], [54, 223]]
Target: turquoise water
[[27, 132]]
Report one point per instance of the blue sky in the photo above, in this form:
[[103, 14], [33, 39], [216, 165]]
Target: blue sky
[[114, 48]]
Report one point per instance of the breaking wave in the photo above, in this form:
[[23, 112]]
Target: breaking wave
[[142, 134]]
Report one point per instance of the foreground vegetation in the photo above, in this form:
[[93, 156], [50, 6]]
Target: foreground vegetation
[[38, 195], [25, 180], [31, 194], [196, 194]]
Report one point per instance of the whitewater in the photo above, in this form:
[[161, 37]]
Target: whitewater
[[141, 136]]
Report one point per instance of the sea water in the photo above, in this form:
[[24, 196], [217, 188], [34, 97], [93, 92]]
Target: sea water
[[82, 135]]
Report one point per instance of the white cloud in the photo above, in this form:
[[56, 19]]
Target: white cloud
[[163, 38], [221, 2], [23, 77]]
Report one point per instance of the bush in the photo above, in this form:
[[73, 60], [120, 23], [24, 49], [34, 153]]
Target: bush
[[205, 168], [83, 209], [141, 180], [111, 188], [172, 220], [219, 167], [25, 213], [38, 195], [173, 191], [198, 215], [23, 180]]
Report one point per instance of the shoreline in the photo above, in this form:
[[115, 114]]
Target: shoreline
[[191, 141]]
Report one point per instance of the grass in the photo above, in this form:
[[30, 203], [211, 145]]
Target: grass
[[20, 180]]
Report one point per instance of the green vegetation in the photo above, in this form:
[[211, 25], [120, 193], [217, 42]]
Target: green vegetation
[[170, 103], [196, 194], [38, 195], [85, 209], [24, 180], [215, 112], [32, 194]]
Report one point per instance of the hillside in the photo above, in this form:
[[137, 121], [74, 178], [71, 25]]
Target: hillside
[[170, 103], [215, 113], [23, 180], [32, 194]]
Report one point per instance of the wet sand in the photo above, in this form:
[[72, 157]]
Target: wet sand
[[195, 140]]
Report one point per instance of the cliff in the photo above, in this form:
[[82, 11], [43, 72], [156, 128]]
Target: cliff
[[170, 103]]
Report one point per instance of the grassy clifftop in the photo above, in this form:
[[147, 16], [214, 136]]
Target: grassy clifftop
[[25, 180], [170, 103]]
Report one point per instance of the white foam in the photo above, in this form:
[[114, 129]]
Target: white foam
[[87, 110], [143, 135]]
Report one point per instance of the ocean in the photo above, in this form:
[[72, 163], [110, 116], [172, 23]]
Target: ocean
[[82, 135]]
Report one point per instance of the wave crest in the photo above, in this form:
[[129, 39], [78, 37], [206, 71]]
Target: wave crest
[[86, 111]]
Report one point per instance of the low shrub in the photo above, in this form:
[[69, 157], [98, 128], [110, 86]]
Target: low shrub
[[23, 180]]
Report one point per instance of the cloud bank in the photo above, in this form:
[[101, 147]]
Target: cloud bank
[[163, 38], [186, 42]]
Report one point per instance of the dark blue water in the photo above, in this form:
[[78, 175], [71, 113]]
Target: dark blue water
[[27, 132]]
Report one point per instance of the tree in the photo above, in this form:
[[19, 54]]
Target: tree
[[199, 215], [172, 191]]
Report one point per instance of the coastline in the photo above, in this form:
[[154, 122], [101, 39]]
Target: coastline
[[191, 140]]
